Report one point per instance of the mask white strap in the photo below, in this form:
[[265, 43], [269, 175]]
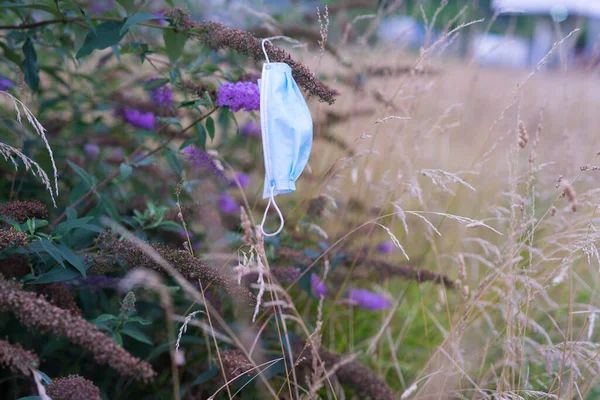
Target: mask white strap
[[265, 51], [272, 201]]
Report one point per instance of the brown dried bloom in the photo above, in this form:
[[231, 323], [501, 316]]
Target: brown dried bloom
[[316, 206], [246, 227], [292, 255], [73, 387], [353, 374], [20, 211], [570, 193], [235, 363], [115, 251], [60, 296], [17, 359], [217, 36], [36, 312], [14, 266], [523, 136], [10, 237], [198, 89]]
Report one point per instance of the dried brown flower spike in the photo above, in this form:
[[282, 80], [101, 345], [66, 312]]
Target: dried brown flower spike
[[73, 387], [523, 136], [17, 359]]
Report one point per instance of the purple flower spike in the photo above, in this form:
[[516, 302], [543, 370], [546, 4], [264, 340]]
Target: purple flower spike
[[250, 129], [160, 19], [5, 84], [317, 287], [238, 96], [200, 160], [101, 6], [162, 95], [386, 247], [91, 150], [227, 204], [242, 178], [139, 119], [369, 300]]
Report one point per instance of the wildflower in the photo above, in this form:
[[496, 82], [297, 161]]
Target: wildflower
[[369, 300], [238, 96], [5, 84], [17, 359], [35, 312], [139, 119], [227, 204], [73, 387], [241, 178], [101, 6], [10, 237], [59, 295], [161, 95], [385, 247], [20, 211], [317, 287], [160, 19], [200, 160], [250, 129], [91, 150]]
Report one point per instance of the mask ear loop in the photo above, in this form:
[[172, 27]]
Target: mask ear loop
[[272, 201], [265, 51]]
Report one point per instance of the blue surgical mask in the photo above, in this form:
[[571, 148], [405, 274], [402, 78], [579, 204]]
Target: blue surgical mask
[[287, 131]]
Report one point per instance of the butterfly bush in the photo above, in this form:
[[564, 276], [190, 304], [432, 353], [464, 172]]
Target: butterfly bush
[[161, 95], [227, 204], [238, 96], [368, 300], [241, 178], [91, 150], [5, 84], [139, 119], [385, 247], [317, 287], [250, 129], [201, 161]]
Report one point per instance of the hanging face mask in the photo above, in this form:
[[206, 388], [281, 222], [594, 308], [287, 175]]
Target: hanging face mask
[[287, 131]]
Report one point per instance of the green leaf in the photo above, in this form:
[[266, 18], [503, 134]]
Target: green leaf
[[103, 318], [156, 83], [29, 398], [117, 338], [34, 6], [174, 43], [57, 274], [52, 251], [125, 171], [136, 19], [138, 320], [82, 174], [75, 260], [107, 34], [170, 121], [29, 66], [128, 5], [210, 127], [201, 134], [135, 333], [188, 142], [205, 376]]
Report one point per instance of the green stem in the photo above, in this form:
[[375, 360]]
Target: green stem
[[77, 20]]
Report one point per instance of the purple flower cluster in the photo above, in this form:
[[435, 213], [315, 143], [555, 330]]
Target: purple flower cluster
[[227, 204], [200, 160], [369, 300], [317, 286], [139, 119], [250, 129], [385, 247], [91, 150], [161, 95], [5, 84], [101, 6], [238, 96], [241, 178]]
